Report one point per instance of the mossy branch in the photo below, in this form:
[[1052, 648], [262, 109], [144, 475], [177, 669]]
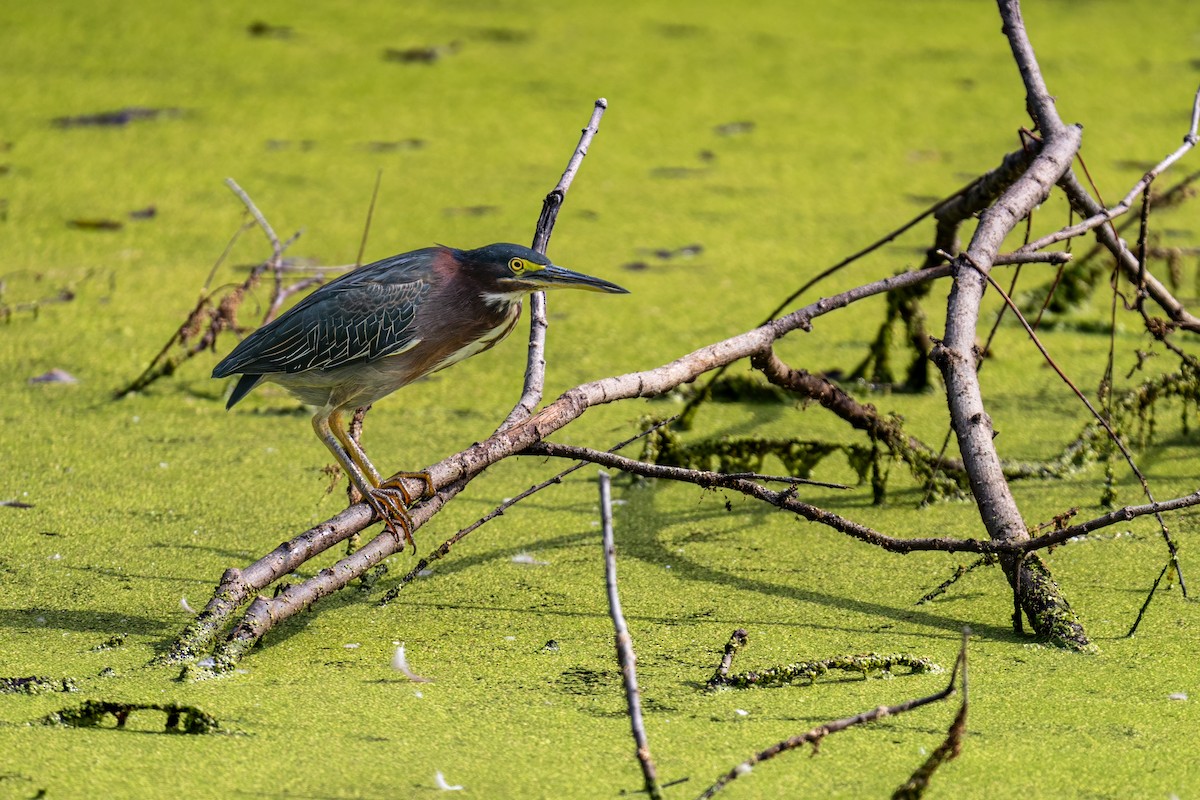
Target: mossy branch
[[808, 671], [817, 735]]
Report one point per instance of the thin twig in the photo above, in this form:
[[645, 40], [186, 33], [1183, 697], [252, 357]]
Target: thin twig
[[1105, 215], [209, 317], [624, 642], [282, 293], [1149, 596], [959, 572], [737, 640], [1084, 203], [757, 476], [362, 245], [535, 362], [276, 246], [1143, 231]]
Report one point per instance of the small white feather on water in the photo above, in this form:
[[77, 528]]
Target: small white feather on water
[[400, 664], [440, 779]]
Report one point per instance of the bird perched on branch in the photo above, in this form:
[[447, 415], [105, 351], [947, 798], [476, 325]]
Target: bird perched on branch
[[382, 326]]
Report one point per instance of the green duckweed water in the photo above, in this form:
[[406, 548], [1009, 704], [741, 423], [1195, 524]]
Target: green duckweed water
[[778, 137]]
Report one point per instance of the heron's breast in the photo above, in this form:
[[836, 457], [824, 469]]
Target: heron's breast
[[484, 337]]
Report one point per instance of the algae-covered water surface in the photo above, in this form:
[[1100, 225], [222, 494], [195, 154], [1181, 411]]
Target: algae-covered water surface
[[745, 149]]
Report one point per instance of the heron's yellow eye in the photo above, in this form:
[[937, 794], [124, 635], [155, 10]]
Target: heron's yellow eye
[[517, 265]]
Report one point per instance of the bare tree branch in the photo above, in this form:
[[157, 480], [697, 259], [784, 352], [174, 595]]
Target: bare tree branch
[[787, 501], [1098, 219], [1039, 596], [1113, 436], [535, 364], [624, 643], [1102, 216], [1126, 260]]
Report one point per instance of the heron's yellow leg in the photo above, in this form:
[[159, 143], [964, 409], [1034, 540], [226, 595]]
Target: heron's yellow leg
[[353, 449], [389, 505], [324, 423], [394, 483]]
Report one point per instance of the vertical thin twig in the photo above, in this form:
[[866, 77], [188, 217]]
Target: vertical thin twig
[[362, 245], [276, 246], [1149, 596], [625, 655], [535, 364]]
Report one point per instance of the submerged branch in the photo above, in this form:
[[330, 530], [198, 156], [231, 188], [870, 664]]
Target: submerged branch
[[817, 735]]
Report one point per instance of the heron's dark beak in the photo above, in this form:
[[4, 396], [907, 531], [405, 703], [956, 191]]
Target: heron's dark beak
[[553, 277]]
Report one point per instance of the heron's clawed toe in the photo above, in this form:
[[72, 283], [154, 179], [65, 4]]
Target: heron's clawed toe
[[391, 505], [396, 483]]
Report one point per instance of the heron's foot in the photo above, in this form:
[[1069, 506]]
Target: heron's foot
[[396, 483], [391, 505]]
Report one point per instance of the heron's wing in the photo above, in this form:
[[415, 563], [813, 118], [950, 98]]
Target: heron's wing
[[363, 315]]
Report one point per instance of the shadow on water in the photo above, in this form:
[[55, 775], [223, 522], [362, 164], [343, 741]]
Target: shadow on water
[[652, 550], [99, 622]]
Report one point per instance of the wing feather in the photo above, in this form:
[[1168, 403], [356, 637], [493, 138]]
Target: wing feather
[[364, 315]]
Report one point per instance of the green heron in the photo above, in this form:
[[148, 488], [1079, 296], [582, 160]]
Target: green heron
[[377, 328]]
